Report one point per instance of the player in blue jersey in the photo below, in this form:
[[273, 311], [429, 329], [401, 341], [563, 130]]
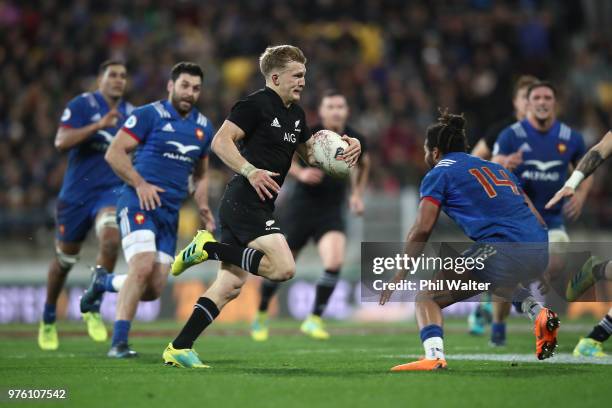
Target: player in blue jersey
[[510, 239], [486, 311], [549, 148], [89, 191], [170, 140]]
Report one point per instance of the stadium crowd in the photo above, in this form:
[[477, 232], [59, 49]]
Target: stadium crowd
[[396, 62]]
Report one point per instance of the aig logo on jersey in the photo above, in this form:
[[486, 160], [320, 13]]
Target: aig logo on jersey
[[290, 137]]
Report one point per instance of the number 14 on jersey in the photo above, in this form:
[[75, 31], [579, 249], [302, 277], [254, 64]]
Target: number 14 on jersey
[[504, 180]]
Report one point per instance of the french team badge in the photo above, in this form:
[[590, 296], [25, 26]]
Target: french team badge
[[139, 218], [199, 133], [562, 147]]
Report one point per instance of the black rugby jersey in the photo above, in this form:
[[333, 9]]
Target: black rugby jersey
[[272, 133]]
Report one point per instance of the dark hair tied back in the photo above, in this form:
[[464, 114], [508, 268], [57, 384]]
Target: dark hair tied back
[[456, 123], [448, 134]]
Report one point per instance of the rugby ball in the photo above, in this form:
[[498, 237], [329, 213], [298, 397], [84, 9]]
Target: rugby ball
[[327, 146]]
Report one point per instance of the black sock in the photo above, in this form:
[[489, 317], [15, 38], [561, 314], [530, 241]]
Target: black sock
[[603, 330], [204, 312], [325, 288], [268, 290], [245, 258], [599, 271]]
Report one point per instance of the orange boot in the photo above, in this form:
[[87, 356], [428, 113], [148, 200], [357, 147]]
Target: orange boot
[[546, 328], [421, 365]]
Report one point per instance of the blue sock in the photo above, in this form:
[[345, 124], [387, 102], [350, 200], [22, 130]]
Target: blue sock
[[518, 306], [433, 330], [121, 331], [107, 286], [498, 332], [49, 314]]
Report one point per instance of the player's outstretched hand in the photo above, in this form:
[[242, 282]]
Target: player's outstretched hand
[[310, 175], [263, 183], [573, 207], [352, 152], [564, 192], [514, 160], [208, 220], [386, 295], [110, 119], [356, 204], [148, 196]]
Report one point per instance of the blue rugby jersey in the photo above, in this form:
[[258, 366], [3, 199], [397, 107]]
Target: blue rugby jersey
[[546, 157], [170, 147], [482, 198], [88, 173]]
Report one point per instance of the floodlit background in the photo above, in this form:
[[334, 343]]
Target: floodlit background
[[396, 61]]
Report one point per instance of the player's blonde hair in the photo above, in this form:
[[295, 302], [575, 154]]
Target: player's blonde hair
[[277, 57]]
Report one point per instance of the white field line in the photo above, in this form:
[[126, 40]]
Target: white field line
[[561, 358]]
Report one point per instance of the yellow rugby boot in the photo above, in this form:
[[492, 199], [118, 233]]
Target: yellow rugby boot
[[313, 327], [47, 336], [259, 328], [183, 358], [193, 253]]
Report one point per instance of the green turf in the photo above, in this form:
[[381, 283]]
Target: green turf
[[350, 370]]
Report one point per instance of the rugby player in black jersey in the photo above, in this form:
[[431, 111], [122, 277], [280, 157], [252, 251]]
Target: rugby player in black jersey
[[270, 127], [316, 210]]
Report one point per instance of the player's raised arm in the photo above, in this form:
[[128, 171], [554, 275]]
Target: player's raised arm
[[201, 194], [587, 165], [76, 126], [224, 145], [68, 137], [118, 157], [504, 152], [573, 207], [427, 216]]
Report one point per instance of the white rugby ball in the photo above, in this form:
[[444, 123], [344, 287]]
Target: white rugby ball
[[327, 146]]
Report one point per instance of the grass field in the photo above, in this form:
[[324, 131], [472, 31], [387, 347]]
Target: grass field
[[350, 370]]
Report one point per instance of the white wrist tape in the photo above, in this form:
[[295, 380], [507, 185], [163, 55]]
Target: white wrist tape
[[247, 169], [575, 179]]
